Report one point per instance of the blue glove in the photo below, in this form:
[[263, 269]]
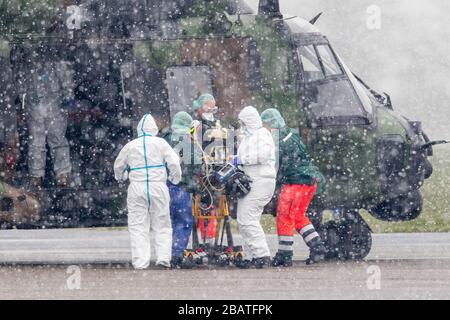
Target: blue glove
[[236, 161], [68, 103]]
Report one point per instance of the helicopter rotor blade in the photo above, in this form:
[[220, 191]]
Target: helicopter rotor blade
[[314, 20]]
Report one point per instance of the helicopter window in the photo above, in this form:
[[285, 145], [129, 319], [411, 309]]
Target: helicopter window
[[328, 60], [311, 64], [332, 99], [184, 84], [330, 96]]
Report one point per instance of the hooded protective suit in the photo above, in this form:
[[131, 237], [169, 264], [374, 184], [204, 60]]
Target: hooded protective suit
[[147, 160], [257, 157]]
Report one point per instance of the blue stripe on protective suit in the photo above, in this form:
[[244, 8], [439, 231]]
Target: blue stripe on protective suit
[[148, 167], [182, 220], [142, 219], [146, 162]]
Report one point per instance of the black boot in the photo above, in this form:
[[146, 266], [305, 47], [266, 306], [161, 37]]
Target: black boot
[[243, 264], [182, 263], [262, 263], [312, 239], [317, 252], [283, 259]]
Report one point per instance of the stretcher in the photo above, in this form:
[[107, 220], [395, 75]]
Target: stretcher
[[220, 253]]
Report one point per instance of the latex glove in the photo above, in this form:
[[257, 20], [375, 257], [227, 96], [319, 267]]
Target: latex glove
[[68, 103], [236, 161]]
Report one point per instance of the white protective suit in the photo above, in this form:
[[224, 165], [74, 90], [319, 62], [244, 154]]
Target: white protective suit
[[147, 160], [257, 157]]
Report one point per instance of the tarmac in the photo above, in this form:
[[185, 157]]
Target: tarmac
[[95, 264]]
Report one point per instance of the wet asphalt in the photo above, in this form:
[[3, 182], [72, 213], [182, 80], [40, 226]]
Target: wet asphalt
[[94, 264]]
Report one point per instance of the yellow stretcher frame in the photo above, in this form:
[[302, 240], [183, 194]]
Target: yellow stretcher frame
[[221, 213], [222, 257]]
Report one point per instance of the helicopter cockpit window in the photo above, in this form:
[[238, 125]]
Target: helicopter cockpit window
[[330, 65], [318, 62], [311, 64], [329, 94], [331, 100]]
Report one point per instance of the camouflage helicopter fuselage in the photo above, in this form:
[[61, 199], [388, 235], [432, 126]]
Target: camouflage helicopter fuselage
[[158, 59]]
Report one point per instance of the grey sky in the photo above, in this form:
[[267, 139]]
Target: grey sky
[[408, 57]]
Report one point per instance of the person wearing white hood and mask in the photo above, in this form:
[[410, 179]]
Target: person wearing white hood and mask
[[256, 155], [146, 162]]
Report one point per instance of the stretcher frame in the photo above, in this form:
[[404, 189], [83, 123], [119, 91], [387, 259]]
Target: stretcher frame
[[217, 254]]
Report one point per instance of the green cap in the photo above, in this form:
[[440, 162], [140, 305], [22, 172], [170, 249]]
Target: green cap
[[273, 118], [182, 122], [200, 102]]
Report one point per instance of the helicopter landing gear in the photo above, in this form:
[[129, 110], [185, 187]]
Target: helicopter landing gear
[[348, 237]]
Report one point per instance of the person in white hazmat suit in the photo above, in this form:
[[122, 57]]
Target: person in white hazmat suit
[[146, 161], [49, 98], [256, 155]]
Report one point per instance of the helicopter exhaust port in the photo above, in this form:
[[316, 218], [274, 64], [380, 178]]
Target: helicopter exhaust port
[[270, 8]]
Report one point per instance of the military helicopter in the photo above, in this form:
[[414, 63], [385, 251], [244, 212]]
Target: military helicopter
[[133, 57]]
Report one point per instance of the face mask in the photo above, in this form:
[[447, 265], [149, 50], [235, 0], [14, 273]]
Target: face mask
[[208, 116], [243, 128]]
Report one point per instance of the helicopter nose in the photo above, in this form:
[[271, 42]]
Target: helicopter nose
[[421, 151], [428, 169]]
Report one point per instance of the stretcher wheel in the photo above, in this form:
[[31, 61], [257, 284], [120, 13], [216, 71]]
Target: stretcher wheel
[[222, 261]]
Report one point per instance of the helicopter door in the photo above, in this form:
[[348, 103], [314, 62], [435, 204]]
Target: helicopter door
[[185, 84]]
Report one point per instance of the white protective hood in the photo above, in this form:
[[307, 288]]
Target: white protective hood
[[148, 157], [251, 119], [257, 150], [147, 126]]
